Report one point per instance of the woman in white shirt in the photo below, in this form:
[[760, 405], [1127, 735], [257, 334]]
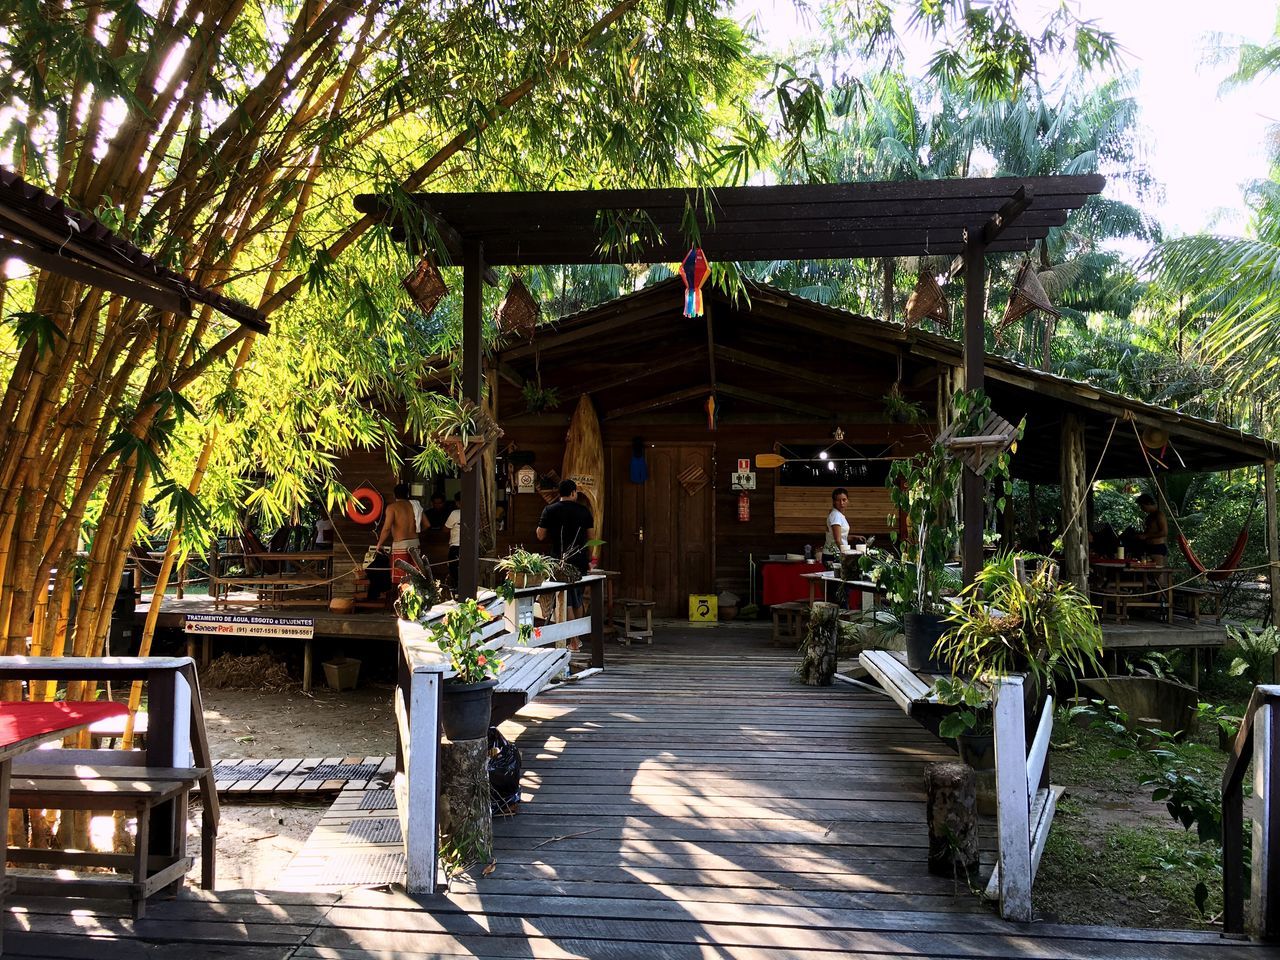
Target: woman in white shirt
[[837, 541]]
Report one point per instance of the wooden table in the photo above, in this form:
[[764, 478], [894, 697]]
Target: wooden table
[[23, 727], [827, 577], [314, 570], [1122, 585]]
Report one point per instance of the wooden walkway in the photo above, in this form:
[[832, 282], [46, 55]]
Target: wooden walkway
[[252, 779], [676, 807]]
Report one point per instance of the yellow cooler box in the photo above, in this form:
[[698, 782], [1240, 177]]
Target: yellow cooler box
[[703, 608]]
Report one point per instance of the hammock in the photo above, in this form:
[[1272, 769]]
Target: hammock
[[1232, 562]]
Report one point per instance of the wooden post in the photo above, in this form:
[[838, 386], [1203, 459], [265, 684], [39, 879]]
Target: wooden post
[[972, 493], [1075, 490], [597, 622], [416, 788], [472, 481], [1273, 544]]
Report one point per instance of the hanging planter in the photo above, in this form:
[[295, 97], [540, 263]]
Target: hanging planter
[[927, 302], [463, 430], [518, 312], [425, 285], [1026, 295]]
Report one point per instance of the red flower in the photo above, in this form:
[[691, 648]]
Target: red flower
[[481, 660]]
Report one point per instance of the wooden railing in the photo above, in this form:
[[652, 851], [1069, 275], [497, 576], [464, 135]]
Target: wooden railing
[[1024, 809], [422, 670], [1259, 741]]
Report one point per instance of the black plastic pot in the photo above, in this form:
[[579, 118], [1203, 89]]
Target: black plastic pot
[[922, 632], [465, 709], [978, 750]]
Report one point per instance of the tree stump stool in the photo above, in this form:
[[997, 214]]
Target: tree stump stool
[[466, 814], [951, 796], [818, 654]]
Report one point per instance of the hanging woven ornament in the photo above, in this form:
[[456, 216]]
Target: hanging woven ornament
[[927, 302], [1026, 295], [518, 312], [713, 411], [694, 271], [425, 285]]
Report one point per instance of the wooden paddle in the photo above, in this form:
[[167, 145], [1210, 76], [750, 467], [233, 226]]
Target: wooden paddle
[[767, 461]]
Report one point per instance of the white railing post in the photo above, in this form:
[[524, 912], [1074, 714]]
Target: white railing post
[[1264, 899], [421, 788], [1013, 804]]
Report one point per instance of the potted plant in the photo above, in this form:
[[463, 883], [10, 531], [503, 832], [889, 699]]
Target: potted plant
[[901, 410], [1018, 617], [467, 696], [463, 430], [924, 489], [525, 568]]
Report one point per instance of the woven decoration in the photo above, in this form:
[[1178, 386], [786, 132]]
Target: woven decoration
[[518, 312], [927, 302], [694, 271], [1027, 295], [693, 478], [425, 285]]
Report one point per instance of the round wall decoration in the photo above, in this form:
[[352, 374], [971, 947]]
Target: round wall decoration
[[365, 505]]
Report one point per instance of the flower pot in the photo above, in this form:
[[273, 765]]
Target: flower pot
[[465, 709], [978, 750], [522, 580], [922, 632], [341, 673]]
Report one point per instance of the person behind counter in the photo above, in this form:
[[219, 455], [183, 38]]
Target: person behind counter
[[567, 525], [837, 541]]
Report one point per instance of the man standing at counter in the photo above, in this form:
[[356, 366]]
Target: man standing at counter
[[566, 525]]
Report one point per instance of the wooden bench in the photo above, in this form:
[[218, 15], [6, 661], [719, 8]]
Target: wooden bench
[[632, 606], [152, 783], [1188, 600]]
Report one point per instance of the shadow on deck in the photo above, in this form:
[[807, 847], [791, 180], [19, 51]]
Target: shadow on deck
[[689, 802]]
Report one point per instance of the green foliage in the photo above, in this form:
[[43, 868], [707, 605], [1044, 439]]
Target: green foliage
[[30, 326], [1017, 616], [1255, 652], [538, 399], [974, 715], [458, 636], [525, 562]]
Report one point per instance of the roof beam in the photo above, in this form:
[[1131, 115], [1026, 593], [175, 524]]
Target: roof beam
[[782, 403], [682, 359], [657, 403], [730, 355], [1010, 211]]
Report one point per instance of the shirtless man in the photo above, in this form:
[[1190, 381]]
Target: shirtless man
[[400, 526], [1155, 532]]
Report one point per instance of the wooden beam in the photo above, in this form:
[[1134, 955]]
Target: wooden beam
[[641, 371], [509, 374], [732, 355], [626, 316], [711, 344], [657, 403], [781, 403], [974, 368], [1273, 541], [472, 355], [1074, 481], [1012, 209]]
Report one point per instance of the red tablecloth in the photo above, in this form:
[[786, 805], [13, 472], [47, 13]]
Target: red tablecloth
[[784, 582], [22, 721]]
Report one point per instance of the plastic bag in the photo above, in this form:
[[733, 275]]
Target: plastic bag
[[505, 767]]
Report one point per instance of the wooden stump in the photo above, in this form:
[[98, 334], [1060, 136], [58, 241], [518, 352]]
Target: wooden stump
[[952, 812], [466, 818], [818, 653]]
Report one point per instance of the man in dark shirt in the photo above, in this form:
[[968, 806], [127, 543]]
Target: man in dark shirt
[[437, 513], [566, 525]]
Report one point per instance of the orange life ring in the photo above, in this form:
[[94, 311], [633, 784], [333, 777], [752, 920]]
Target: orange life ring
[[365, 506]]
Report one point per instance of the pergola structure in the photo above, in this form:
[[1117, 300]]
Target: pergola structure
[[967, 218]]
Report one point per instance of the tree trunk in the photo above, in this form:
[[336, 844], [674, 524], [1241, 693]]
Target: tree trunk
[[819, 651], [951, 797], [1075, 522], [466, 818]]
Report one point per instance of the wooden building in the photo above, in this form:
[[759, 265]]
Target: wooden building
[[788, 376]]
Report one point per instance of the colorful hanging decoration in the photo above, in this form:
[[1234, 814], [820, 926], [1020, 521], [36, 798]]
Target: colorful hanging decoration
[[694, 271], [713, 411]]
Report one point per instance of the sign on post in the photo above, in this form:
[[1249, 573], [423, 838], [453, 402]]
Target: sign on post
[[231, 625]]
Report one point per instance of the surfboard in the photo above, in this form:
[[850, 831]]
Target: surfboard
[[584, 462]]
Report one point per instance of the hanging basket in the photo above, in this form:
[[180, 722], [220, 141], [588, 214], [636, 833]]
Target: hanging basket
[[466, 448], [518, 312], [1026, 295], [927, 302], [425, 285]]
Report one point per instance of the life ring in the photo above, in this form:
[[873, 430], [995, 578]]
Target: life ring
[[365, 506]]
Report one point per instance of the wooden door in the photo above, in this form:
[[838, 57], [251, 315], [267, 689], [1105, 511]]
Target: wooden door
[[663, 535]]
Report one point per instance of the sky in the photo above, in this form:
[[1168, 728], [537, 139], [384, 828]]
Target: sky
[[1203, 145]]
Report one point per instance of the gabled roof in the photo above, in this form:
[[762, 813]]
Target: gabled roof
[[41, 230], [1112, 420]]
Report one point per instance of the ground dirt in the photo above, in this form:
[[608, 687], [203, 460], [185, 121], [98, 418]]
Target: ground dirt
[[257, 840]]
